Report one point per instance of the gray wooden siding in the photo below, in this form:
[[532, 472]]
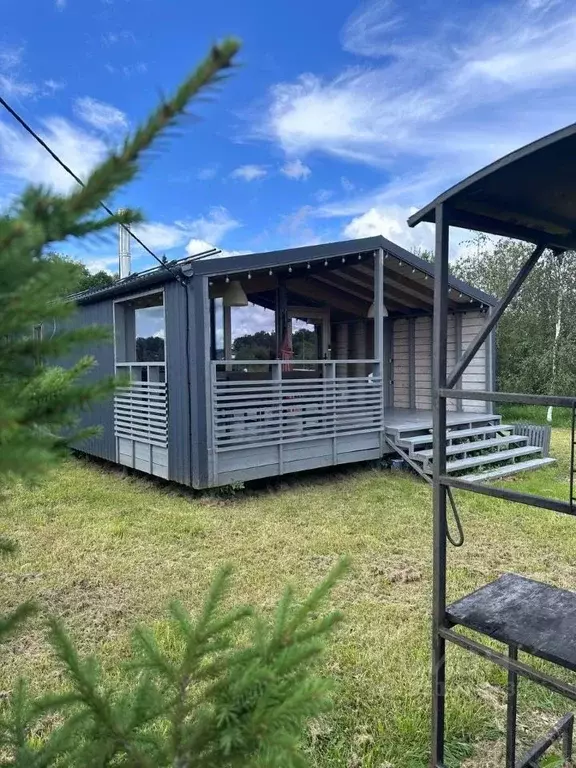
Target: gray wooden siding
[[245, 464], [412, 360], [452, 346], [474, 376], [423, 362], [100, 414], [401, 357], [179, 433]]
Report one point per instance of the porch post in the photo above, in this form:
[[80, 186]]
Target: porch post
[[379, 331], [439, 365], [200, 382], [281, 316], [379, 309], [227, 332]]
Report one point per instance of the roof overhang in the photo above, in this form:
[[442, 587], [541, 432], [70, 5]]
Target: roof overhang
[[528, 195], [293, 262]]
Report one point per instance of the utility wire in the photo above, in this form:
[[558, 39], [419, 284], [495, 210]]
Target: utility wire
[[76, 178]]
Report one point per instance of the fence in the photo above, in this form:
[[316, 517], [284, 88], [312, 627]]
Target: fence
[[268, 405], [536, 434]]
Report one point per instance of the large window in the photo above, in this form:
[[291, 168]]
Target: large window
[[140, 329]]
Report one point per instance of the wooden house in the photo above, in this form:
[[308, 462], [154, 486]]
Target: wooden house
[[192, 417]]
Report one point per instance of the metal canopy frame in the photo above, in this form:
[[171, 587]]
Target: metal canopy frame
[[448, 210]]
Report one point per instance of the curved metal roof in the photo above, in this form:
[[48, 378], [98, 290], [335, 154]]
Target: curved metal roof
[[529, 194]]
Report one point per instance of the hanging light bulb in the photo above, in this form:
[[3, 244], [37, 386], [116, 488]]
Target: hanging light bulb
[[289, 269], [234, 295], [325, 262], [227, 279]]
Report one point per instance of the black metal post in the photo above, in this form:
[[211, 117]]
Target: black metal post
[[511, 710], [440, 332], [567, 741], [494, 316]]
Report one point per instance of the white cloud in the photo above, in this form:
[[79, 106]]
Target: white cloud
[[346, 184], [195, 235], [52, 85], [195, 247], [107, 264], [214, 226], [60, 4], [127, 70], [207, 173], [364, 29], [98, 114], [323, 195], [390, 222], [295, 169], [159, 236], [445, 98], [26, 161], [12, 83], [249, 172]]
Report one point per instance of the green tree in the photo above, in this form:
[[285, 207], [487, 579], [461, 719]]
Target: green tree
[[81, 277], [536, 338], [217, 699]]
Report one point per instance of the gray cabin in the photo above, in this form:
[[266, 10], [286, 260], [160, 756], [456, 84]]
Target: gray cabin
[[195, 415]]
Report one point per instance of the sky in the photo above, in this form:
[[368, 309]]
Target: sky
[[340, 119]]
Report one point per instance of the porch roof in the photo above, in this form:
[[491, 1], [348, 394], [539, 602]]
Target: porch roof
[[343, 267], [529, 194], [317, 274]]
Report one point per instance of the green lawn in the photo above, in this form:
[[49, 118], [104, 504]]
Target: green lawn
[[104, 551]]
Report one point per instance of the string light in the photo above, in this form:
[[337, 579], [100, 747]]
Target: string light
[[325, 262], [227, 279], [308, 265], [249, 275], [270, 272], [343, 260], [289, 269]]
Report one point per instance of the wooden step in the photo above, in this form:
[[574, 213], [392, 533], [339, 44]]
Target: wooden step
[[509, 469], [453, 434], [477, 445], [491, 458], [415, 426]]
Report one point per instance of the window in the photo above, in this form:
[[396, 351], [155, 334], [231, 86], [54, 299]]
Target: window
[[140, 329]]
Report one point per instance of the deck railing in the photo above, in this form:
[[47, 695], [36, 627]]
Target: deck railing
[[141, 409], [261, 403]]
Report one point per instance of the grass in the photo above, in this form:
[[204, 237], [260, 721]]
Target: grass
[[105, 551], [536, 414]]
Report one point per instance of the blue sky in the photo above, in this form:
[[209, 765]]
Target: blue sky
[[341, 119]]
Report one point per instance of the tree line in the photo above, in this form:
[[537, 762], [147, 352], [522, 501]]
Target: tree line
[[536, 336]]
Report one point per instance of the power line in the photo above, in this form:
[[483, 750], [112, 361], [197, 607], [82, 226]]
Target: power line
[[76, 178]]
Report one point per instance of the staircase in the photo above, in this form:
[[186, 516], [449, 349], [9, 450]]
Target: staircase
[[478, 447]]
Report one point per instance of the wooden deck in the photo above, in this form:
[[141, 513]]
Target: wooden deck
[[415, 418]]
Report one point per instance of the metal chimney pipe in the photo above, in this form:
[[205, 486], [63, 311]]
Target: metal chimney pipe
[[124, 260]]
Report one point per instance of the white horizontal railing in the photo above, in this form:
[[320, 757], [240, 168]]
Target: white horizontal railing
[[261, 411], [141, 408]]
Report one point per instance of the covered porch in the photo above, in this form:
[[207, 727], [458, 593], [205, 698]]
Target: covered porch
[[370, 312]]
